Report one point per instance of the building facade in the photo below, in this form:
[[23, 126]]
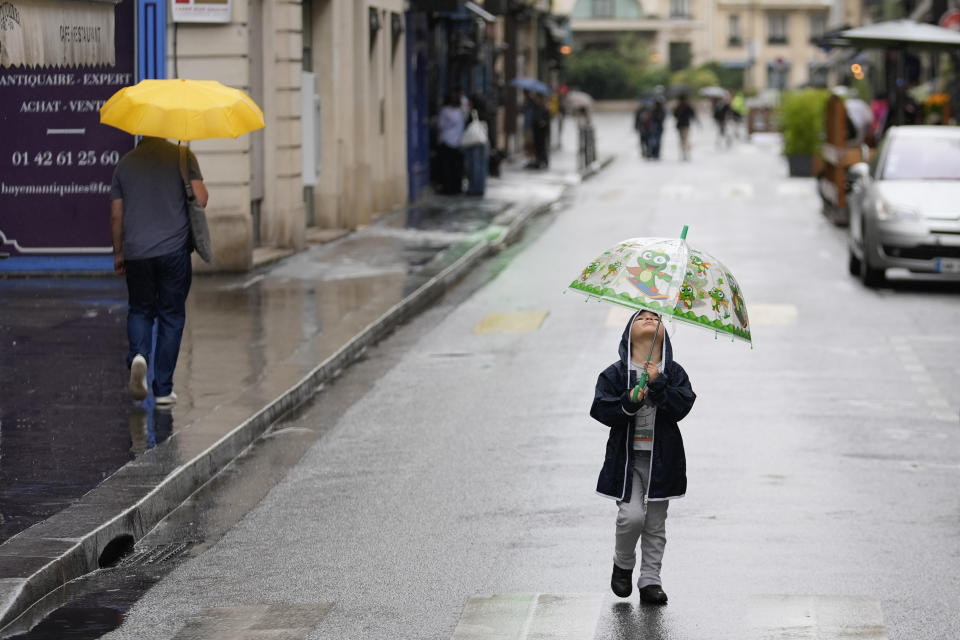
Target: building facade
[[349, 90], [770, 40], [676, 32], [330, 76]]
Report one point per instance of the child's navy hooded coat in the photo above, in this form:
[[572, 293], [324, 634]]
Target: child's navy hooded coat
[[673, 396]]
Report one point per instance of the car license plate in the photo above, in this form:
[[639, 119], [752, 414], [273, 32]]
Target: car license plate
[[948, 265]]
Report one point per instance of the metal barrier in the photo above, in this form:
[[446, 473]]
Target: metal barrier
[[587, 149]]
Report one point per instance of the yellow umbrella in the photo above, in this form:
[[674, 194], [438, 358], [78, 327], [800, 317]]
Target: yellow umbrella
[[182, 109]]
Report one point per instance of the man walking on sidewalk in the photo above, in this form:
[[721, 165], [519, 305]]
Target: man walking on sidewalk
[[150, 231]]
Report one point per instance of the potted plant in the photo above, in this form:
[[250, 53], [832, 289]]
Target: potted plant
[[936, 109], [801, 119]]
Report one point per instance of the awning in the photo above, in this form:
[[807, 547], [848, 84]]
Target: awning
[[480, 11], [898, 33], [556, 29], [56, 33]]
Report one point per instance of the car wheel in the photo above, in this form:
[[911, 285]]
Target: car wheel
[[853, 264], [871, 276]]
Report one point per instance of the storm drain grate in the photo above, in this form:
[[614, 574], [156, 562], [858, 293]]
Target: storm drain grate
[[156, 555]]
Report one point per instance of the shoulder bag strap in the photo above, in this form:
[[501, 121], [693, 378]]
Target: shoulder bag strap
[[183, 172]]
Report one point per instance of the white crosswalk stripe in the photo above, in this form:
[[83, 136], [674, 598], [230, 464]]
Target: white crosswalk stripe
[[815, 617], [536, 616], [581, 616]]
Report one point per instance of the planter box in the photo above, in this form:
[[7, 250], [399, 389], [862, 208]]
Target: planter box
[[800, 166]]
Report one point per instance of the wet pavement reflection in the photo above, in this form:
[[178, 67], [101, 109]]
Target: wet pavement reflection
[[66, 422]]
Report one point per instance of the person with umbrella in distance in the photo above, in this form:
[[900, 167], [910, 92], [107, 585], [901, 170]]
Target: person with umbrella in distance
[[155, 220], [642, 397]]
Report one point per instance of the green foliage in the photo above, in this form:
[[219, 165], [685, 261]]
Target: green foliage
[[622, 71], [696, 78], [601, 73], [801, 119], [646, 81], [727, 78]]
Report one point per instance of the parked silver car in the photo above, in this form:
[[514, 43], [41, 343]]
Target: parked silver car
[[905, 205]]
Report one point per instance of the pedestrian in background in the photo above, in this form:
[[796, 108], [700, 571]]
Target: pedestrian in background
[[529, 111], [722, 115], [450, 123], [643, 125], [658, 115], [541, 133], [475, 144], [644, 467], [150, 232], [684, 114]]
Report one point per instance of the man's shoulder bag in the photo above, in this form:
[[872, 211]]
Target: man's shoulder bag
[[199, 233]]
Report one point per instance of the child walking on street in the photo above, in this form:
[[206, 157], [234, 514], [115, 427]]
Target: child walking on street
[[644, 467]]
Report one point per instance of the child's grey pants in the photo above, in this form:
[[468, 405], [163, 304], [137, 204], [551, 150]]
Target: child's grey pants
[[649, 526]]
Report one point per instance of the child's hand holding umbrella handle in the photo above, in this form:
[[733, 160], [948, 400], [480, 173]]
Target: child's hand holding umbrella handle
[[652, 372]]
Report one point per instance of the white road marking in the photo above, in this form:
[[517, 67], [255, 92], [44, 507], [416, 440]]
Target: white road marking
[[816, 617], [800, 188], [532, 616], [677, 191], [924, 383], [738, 190]]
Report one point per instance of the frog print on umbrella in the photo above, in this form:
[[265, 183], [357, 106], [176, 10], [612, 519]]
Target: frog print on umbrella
[[686, 296], [589, 270], [719, 298], [651, 265], [739, 307], [611, 270], [692, 292], [697, 263]]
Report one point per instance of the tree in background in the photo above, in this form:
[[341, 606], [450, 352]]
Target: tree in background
[[622, 71]]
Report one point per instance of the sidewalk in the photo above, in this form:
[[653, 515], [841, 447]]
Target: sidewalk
[[85, 473]]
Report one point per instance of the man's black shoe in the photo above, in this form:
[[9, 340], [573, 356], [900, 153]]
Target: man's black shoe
[[621, 581], [653, 594]]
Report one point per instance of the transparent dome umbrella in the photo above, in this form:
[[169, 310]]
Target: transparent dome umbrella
[[671, 278]]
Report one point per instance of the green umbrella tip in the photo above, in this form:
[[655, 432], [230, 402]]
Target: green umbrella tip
[[683, 234]]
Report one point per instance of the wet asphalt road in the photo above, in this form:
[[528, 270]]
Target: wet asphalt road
[[66, 422], [449, 488]]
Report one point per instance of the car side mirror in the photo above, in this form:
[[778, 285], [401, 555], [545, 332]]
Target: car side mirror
[[860, 171]]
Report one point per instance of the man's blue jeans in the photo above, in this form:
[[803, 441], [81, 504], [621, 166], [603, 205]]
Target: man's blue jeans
[[157, 289]]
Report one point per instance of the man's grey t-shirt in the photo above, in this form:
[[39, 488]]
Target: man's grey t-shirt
[[148, 181]]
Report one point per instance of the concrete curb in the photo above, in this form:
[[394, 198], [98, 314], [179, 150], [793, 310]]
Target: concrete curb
[[69, 552]]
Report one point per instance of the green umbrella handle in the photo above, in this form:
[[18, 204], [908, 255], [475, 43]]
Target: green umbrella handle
[[641, 383], [683, 234]]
